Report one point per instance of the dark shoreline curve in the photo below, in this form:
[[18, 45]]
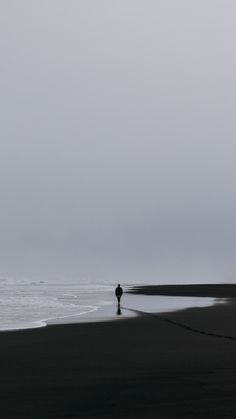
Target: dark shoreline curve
[[193, 290], [141, 367]]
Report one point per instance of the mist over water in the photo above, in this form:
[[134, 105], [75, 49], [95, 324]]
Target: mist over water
[[118, 148]]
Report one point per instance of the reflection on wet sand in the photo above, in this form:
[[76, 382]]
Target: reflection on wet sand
[[119, 312]]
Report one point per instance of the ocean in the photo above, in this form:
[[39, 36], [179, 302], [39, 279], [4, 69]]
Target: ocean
[[26, 303]]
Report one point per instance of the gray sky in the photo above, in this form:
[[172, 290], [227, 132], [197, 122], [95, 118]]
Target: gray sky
[[118, 147]]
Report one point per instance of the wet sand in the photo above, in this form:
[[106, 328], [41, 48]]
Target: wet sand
[[175, 365]]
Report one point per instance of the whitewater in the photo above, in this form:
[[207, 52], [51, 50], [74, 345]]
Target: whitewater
[[26, 303]]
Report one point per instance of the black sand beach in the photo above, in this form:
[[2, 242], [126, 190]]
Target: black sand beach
[[175, 365]]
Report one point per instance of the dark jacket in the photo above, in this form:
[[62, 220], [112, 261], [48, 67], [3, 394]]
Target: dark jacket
[[119, 291]]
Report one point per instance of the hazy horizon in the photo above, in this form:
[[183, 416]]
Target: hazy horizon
[[118, 140]]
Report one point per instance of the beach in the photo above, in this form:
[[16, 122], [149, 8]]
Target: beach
[[170, 365]]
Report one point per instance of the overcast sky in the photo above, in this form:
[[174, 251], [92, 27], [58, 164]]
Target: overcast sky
[[118, 143]]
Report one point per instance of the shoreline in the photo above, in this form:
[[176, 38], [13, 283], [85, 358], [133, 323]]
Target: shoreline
[[221, 291], [140, 367], [144, 300]]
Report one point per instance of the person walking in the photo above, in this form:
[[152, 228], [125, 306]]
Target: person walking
[[118, 292]]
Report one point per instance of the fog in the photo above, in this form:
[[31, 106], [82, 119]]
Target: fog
[[117, 156]]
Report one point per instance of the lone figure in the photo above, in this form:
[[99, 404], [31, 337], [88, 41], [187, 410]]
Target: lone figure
[[119, 292]]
